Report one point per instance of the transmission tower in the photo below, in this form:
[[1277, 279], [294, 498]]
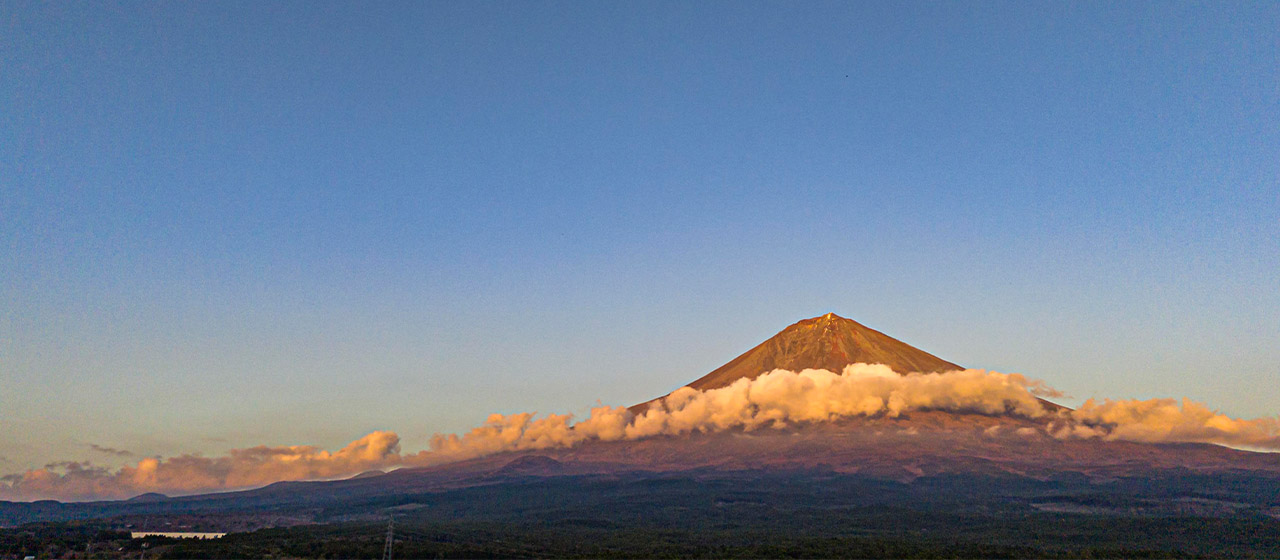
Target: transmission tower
[[386, 549]]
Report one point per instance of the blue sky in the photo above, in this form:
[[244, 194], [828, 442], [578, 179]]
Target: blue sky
[[231, 224]]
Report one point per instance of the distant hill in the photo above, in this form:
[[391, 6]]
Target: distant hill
[[149, 497]]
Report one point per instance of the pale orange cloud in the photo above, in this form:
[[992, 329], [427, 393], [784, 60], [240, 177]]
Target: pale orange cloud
[[1166, 421], [240, 468], [777, 397]]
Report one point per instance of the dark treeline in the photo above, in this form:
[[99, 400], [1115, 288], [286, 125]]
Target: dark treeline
[[800, 515]]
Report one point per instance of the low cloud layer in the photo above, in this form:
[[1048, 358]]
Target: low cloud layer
[[783, 397], [240, 468], [1165, 421], [776, 398]]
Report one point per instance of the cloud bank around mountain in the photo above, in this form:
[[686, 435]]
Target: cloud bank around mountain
[[775, 398]]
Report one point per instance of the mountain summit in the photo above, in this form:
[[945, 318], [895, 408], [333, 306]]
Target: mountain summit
[[828, 342]]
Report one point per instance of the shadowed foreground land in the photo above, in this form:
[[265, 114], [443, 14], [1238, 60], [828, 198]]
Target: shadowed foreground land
[[748, 514]]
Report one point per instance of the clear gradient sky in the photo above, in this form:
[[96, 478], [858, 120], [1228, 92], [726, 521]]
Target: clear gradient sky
[[232, 224]]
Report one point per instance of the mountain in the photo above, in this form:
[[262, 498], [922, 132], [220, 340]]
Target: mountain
[[828, 342], [920, 476]]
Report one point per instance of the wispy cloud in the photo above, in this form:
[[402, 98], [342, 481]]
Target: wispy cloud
[[68, 465], [110, 450]]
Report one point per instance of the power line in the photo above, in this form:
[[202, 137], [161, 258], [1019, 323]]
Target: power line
[[386, 550]]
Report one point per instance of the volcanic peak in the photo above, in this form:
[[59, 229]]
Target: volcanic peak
[[828, 342]]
